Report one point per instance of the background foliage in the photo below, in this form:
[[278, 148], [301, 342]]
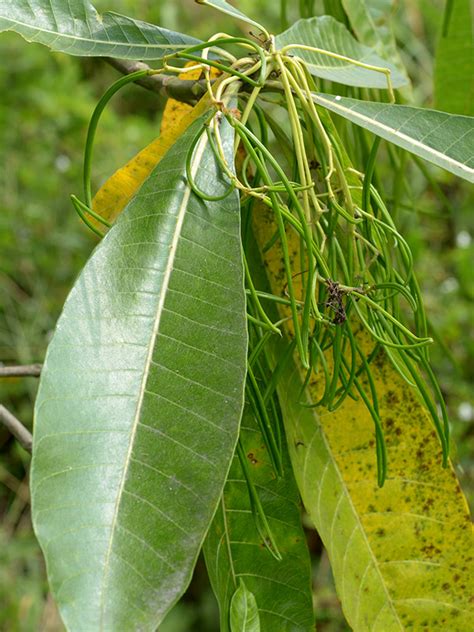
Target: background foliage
[[46, 103]]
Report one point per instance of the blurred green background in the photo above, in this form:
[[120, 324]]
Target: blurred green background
[[46, 101]]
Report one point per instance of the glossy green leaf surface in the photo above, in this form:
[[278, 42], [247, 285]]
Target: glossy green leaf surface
[[226, 7], [454, 62], [373, 24], [75, 27], [330, 35], [446, 140], [243, 611], [234, 547], [140, 400]]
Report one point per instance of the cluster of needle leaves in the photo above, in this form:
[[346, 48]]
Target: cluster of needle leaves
[[353, 267]]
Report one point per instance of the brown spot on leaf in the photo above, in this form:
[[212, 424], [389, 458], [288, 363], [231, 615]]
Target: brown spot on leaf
[[251, 458], [392, 398]]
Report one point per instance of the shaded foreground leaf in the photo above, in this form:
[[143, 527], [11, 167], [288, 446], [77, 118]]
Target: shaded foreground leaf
[[327, 33], [75, 27], [454, 62], [234, 547], [140, 400], [446, 140]]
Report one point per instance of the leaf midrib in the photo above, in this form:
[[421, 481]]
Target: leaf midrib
[[391, 130], [148, 363], [351, 504], [75, 38]]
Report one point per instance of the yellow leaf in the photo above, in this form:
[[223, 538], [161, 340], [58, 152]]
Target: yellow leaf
[[117, 191], [402, 556], [175, 110]]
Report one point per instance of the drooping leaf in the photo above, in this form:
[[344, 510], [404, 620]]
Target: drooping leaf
[[243, 611], [75, 27], [373, 24], [140, 400], [225, 7], [446, 140], [454, 62], [402, 555], [234, 547], [328, 34]]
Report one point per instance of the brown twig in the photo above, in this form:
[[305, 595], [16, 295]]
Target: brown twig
[[17, 429], [184, 90], [25, 370]]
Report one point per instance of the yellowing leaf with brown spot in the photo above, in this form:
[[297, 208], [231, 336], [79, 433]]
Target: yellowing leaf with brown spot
[[118, 190], [174, 110], [402, 556]]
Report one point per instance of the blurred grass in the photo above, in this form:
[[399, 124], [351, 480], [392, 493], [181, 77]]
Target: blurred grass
[[46, 103]]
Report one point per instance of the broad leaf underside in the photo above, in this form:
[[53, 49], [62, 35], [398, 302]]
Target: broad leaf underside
[[372, 23], [76, 28], [140, 400], [327, 33]]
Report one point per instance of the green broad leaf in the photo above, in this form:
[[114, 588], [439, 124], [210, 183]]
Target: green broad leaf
[[76, 28], [140, 399], [372, 22], [446, 140], [327, 34], [454, 62], [225, 7], [401, 555], [234, 548], [243, 611]]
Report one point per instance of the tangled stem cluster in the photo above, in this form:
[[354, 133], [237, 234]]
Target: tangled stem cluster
[[353, 264]]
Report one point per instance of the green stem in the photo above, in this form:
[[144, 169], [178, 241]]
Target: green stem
[[99, 108]]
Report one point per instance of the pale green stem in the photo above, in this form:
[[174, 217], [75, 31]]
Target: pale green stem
[[350, 60]]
